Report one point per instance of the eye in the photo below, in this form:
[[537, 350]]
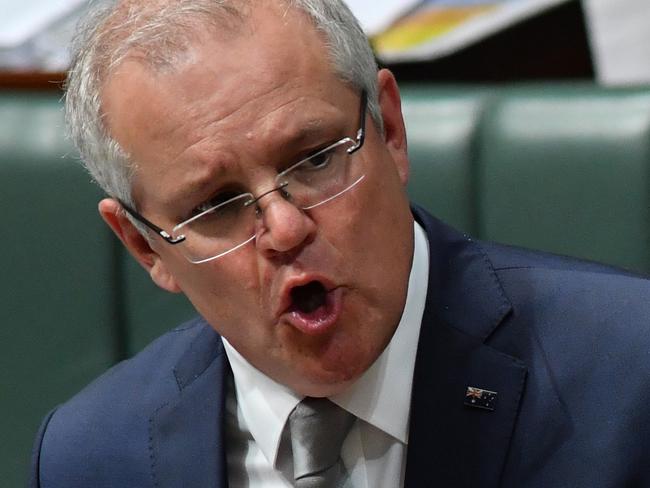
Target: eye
[[319, 160], [214, 201]]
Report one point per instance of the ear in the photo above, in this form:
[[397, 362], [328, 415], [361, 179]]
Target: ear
[[394, 131], [137, 244]]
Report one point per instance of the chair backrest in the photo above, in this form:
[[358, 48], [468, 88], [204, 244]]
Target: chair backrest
[[568, 171], [57, 292], [562, 168]]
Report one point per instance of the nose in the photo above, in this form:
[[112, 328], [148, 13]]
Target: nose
[[282, 227]]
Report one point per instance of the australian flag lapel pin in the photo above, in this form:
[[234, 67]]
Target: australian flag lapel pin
[[479, 398]]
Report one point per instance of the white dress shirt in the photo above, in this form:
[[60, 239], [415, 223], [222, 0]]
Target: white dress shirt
[[374, 452]]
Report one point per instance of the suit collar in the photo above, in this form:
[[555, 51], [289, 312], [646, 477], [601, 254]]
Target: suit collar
[[191, 423], [450, 442]]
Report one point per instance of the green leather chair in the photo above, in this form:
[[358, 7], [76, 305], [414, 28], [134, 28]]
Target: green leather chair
[[567, 169], [149, 311], [442, 126], [57, 292]]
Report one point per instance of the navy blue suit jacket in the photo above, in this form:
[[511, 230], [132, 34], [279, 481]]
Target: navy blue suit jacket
[[565, 344]]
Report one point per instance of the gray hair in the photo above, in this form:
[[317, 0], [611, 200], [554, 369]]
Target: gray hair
[[115, 30]]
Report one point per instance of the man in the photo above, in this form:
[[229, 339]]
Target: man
[[255, 160]]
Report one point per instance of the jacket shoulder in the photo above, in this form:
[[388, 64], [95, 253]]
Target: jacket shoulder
[[571, 296], [107, 423], [504, 257], [582, 330]]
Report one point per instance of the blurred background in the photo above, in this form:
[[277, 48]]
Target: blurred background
[[528, 123], [438, 40]]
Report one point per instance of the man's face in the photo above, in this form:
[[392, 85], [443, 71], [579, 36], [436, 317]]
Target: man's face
[[234, 113]]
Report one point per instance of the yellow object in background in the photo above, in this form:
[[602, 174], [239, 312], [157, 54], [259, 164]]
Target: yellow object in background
[[441, 27], [427, 25]]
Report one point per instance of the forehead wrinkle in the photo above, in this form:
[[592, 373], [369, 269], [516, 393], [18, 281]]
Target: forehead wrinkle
[[300, 123], [193, 123], [280, 126], [287, 138], [213, 122]]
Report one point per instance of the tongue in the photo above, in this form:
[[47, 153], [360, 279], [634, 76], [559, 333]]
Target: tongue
[[309, 297]]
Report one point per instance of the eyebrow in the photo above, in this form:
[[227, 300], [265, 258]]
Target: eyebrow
[[198, 181], [313, 130]]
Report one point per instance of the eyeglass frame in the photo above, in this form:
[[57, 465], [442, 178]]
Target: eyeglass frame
[[167, 237]]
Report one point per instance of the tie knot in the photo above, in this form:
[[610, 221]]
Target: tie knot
[[318, 428]]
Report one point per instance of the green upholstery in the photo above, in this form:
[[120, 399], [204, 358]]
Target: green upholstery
[[562, 168], [567, 171], [442, 132], [55, 257], [149, 310]]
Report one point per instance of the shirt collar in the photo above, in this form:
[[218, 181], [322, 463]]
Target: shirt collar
[[381, 396]]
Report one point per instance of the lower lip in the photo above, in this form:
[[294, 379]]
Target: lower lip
[[321, 320]]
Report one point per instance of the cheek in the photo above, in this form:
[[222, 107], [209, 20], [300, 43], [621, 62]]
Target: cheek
[[379, 214], [225, 290], [379, 236]]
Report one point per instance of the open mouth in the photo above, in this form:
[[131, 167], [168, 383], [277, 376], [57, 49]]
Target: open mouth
[[309, 297], [313, 308]]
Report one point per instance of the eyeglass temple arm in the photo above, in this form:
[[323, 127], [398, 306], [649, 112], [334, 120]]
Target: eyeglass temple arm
[[162, 233], [361, 133]]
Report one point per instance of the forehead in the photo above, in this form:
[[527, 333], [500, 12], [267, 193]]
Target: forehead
[[272, 74], [271, 46]]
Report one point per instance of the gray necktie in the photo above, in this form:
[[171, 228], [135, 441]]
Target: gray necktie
[[318, 428]]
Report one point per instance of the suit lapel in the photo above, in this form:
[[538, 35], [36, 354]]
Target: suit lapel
[[449, 442], [187, 433]]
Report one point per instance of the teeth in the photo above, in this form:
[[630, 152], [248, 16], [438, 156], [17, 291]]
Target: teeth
[[309, 297]]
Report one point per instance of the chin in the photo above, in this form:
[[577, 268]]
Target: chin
[[326, 378]]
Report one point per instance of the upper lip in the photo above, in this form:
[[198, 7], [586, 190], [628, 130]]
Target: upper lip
[[292, 282]]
